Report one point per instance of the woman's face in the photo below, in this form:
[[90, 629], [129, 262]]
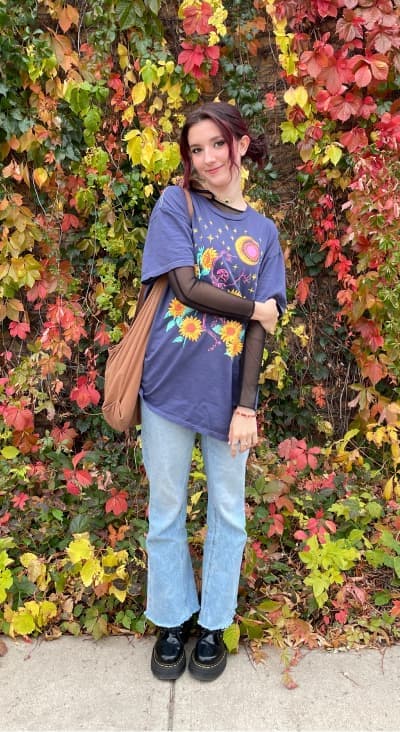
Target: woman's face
[[210, 155]]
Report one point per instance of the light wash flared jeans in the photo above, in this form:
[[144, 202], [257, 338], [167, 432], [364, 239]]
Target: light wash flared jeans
[[172, 596]]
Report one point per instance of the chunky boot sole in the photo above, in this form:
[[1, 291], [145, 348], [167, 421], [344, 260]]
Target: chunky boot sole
[[207, 672], [168, 671]]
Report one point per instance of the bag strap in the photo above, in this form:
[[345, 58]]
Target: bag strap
[[189, 202]]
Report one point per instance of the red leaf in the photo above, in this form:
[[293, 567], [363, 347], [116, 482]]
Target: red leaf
[[395, 611], [78, 457], [117, 504], [341, 616], [19, 330], [270, 100], [64, 435], [278, 525], [19, 500], [303, 289], [102, 337], [84, 393], [191, 58], [196, 19], [4, 519], [354, 139], [19, 418], [83, 478], [70, 222], [300, 535], [363, 76], [73, 488], [370, 333]]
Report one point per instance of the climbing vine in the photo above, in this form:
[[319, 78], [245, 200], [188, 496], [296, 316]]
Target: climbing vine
[[91, 102]]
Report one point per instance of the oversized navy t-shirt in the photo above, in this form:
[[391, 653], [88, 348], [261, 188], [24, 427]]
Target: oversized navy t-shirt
[[192, 366]]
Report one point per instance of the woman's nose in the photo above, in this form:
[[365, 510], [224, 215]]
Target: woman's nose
[[209, 154]]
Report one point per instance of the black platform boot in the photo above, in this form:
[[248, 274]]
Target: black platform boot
[[208, 658], [168, 660]]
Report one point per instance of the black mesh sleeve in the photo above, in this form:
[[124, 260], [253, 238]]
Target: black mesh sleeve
[[205, 297], [252, 355]]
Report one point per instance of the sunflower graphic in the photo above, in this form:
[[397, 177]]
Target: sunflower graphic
[[191, 328], [176, 308], [208, 258], [230, 331], [234, 347]]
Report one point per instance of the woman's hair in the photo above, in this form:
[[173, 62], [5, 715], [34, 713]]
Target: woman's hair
[[231, 125]]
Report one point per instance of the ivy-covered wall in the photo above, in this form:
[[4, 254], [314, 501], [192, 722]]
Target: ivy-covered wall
[[92, 97]]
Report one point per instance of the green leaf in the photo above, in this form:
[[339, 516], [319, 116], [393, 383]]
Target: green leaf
[[126, 12], [269, 606], [382, 598], [232, 637], [153, 5], [251, 628], [396, 565]]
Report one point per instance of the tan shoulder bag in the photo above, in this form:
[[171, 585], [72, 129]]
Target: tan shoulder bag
[[124, 366]]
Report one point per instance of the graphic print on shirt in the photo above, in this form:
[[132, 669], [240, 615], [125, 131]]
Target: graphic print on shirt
[[226, 264]]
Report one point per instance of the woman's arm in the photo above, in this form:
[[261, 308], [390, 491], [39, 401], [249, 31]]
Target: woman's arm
[[243, 427], [204, 296]]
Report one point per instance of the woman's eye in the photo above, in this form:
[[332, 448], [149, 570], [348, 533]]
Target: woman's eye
[[195, 150], [220, 143]]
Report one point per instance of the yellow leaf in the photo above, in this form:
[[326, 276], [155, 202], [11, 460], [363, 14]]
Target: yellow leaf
[[290, 133], [113, 559], [119, 594], [22, 623], [89, 571], [80, 548], [129, 114], [157, 105], [148, 153], [166, 125], [123, 56], [139, 92], [26, 140], [40, 176], [134, 146], [47, 610], [388, 489], [333, 153], [296, 96]]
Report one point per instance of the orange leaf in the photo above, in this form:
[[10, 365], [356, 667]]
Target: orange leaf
[[374, 371], [68, 16]]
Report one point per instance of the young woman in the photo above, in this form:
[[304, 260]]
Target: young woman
[[226, 288]]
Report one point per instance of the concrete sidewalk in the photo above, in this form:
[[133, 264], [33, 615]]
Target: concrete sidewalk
[[79, 684]]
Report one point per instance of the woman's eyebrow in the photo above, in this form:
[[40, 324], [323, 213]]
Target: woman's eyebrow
[[212, 139]]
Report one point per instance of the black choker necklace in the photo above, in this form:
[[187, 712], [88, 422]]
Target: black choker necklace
[[212, 197]]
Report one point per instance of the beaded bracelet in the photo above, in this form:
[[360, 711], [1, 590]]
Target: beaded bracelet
[[244, 414]]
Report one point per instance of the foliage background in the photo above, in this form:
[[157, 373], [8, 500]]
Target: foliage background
[[92, 96]]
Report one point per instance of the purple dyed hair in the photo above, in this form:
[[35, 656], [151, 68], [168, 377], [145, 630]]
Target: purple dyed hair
[[231, 125]]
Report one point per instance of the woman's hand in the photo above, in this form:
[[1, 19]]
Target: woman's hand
[[243, 430], [267, 314]]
